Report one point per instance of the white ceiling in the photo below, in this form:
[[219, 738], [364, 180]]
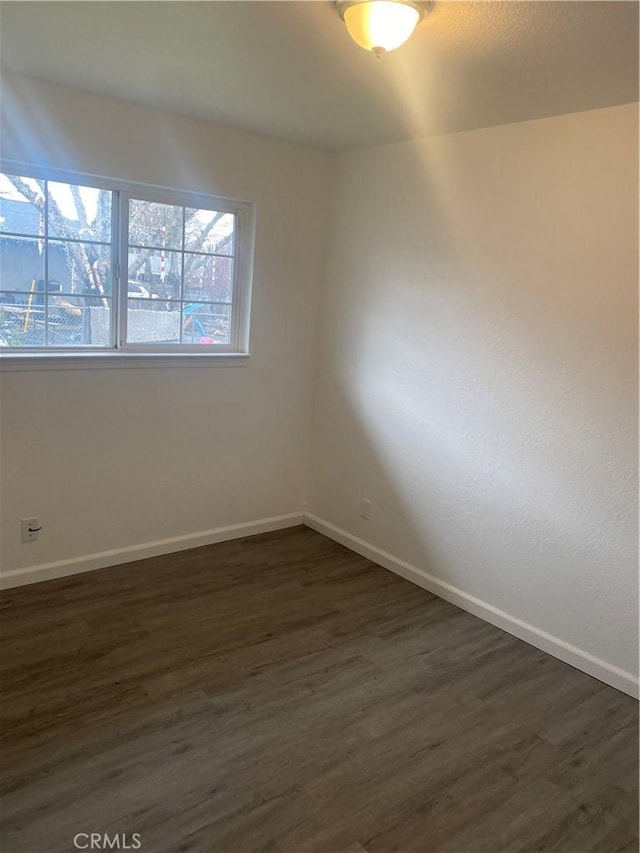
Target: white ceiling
[[289, 69]]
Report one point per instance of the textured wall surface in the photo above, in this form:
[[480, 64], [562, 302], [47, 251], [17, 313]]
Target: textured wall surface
[[113, 458], [478, 377], [290, 68]]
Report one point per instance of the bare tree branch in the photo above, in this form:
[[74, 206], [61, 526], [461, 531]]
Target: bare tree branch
[[84, 268], [80, 208], [199, 242]]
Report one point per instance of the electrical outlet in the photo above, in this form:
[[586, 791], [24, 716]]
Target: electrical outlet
[[30, 529], [365, 509]]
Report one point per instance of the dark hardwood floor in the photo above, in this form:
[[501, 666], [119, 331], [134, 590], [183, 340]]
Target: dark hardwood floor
[[280, 693]]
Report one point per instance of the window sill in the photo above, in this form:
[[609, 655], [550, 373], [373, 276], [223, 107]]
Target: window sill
[[110, 360]]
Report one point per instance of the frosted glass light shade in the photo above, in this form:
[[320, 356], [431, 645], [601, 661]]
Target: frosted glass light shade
[[380, 25]]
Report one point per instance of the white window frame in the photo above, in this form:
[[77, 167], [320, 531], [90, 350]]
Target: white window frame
[[121, 353]]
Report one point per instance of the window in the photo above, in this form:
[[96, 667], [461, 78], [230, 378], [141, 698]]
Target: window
[[114, 268]]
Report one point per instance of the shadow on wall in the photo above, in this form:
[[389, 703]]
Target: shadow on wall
[[479, 382]]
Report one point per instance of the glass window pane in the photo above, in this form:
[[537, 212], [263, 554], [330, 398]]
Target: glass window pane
[[21, 265], [79, 213], [155, 225], [208, 231], [204, 323], [58, 321], [21, 320], [153, 321], [22, 309], [207, 278], [77, 321], [21, 205], [155, 273], [79, 268]]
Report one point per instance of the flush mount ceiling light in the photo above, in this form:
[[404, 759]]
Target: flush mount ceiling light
[[380, 25]]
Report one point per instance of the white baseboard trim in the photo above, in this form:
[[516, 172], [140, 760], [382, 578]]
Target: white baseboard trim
[[89, 562], [600, 669]]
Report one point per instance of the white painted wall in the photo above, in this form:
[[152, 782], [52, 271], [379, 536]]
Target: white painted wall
[[114, 458], [477, 371], [478, 376]]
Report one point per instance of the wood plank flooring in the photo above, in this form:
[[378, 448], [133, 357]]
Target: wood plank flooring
[[280, 693]]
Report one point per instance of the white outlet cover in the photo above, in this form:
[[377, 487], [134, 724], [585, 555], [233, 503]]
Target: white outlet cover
[[28, 529]]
